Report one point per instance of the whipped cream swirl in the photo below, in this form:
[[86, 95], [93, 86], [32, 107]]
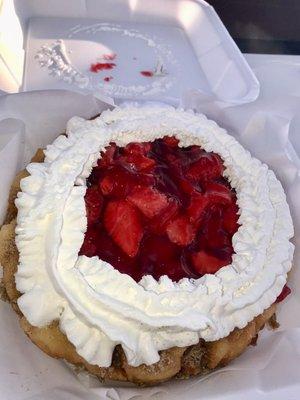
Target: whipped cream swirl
[[97, 306]]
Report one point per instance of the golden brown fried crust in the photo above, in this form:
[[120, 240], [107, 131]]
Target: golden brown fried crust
[[9, 258], [53, 342], [168, 366], [220, 352], [175, 362], [15, 188]]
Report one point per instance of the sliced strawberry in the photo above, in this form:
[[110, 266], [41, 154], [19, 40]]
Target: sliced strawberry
[[94, 201], [138, 148], [188, 156], [218, 193], [209, 166], [181, 231], [139, 162], [148, 200], [144, 179], [198, 204], [109, 251], [230, 218], [159, 223], [186, 186], [206, 264], [122, 223], [117, 182], [107, 185], [107, 158], [171, 141]]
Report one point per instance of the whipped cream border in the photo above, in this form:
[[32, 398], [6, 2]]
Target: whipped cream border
[[97, 306]]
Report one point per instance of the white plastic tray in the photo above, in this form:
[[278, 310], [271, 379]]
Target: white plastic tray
[[186, 36]]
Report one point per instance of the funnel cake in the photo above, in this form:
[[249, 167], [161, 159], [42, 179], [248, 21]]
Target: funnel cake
[[147, 244]]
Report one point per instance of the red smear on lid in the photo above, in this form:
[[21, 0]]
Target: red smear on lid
[[148, 74], [108, 78], [101, 66]]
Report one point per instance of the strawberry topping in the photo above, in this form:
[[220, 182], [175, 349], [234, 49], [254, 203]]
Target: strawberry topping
[[148, 200], [94, 202], [181, 231], [284, 293], [218, 193], [197, 206], [205, 263], [154, 208], [122, 223], [208, 167]]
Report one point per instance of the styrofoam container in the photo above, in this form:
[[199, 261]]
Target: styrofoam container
[[185, 36]]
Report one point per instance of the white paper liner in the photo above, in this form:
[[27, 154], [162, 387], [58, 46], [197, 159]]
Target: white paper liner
[[269, 129]]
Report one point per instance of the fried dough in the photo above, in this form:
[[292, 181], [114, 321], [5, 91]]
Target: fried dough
[[175, 362]]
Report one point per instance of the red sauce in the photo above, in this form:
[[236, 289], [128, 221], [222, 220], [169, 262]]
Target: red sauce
[[155, 208], [148, 74], [108, 78], [284, 293], [101, 66]]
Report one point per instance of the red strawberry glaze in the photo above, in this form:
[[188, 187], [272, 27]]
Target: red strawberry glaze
[[108, 78], [158, 209], [148, 74], [101, 66], [284, 293]]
